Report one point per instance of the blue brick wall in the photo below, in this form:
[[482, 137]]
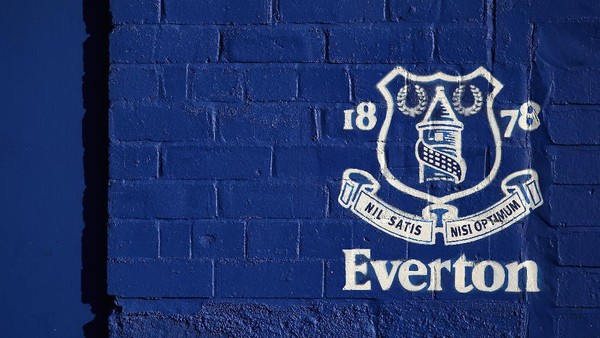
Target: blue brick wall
[[227, 150]]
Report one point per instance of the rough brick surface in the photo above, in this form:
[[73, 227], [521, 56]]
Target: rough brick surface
[[229, 133]]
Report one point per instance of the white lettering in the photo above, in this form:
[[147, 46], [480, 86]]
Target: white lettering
[[479, 276]]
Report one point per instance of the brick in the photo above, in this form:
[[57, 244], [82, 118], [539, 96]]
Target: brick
[[160, 279], [380, 44], [578, 324], [578, 248], [516, 85], [544, 10], [279, 44], [218, 239], [175, 239], [265, 122], [273, 239], [332, 130], [573, 125], [193, 44], [133, 160], [160, 123], [174, 82], [132, 44], [568, 45], [316, 11], [131, 82], [415, 10], [578, 288], [513, 43], [135, 11], [430, 11], [574, 205], [323, 161], [132, 239], [324, 84], [216, 84], [461, 11], [364, 82], [575, 165], [246, 319], [271, 83], [463, 44], [201, 162], [442, 319], [277, 280], [161, 199], [218, 11], [324, 239], [272, 200], [576, 86], [382, 245]]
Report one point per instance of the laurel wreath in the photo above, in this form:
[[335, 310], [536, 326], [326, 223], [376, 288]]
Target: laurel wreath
[[419, 108], [457, 98]]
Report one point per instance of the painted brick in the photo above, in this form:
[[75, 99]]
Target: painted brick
[[186, 44], [277, 280], [433, 11], [160, 279], [514, 33], [574, 205], [578, 248], [162, 199], [543, 10], [576, 86], [573, 125], [272, 200], [325, 239], [568, 45], [323, 161], [133, 82], [461, 11], [175, 239], [218, 239], [174, 82], [249, 319], [380, 44], [132, 239], [578, 288], [135, 11], [364, 77], [132, 44], [415, 10], [133, 160], [271, 83], [280, 44], [324, 84], [160, 123], [331, 118], [202, 162], [217, 11], [331, 11], [217, 84], [265, 122], [578, 324], [463, 44], [479, 319], [575, 165], [518, 92], [273, 239]]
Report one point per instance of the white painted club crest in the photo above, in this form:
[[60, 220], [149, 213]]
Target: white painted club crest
[[432, 118]]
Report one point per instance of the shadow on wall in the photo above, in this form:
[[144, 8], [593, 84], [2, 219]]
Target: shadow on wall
[[94, 128]]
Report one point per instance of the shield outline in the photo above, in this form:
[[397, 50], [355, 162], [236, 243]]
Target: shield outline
[[382, 138]]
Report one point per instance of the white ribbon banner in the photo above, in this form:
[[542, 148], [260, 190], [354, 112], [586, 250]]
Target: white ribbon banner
[[522, 195]]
